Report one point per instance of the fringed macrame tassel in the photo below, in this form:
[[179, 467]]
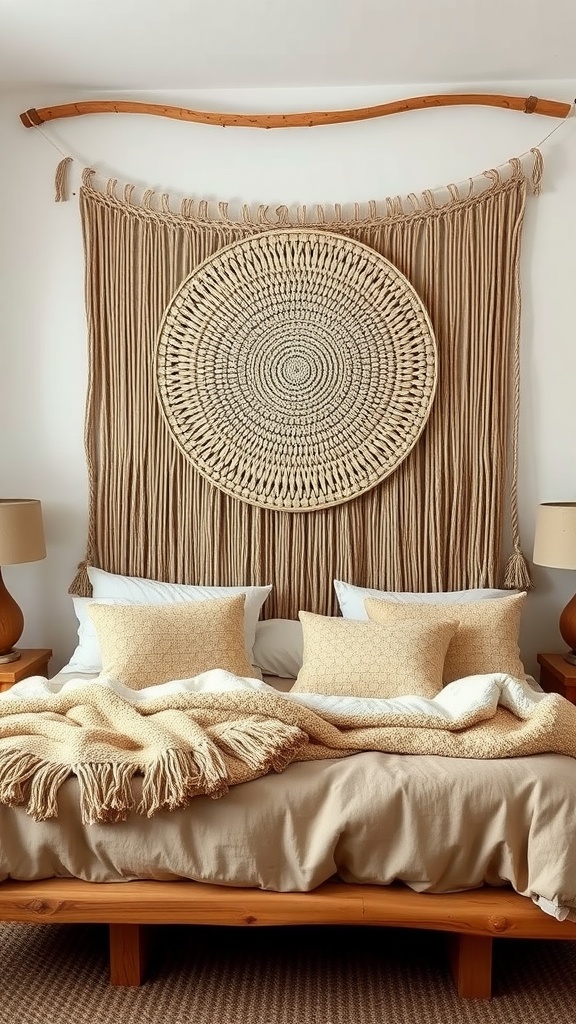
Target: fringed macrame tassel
[[105, 791], [81, 586], [516, 574], [43, 799], [289, 750], [213, 773], [176, 776], [61, 180], [263, 745], [169, 782], [16, 772]]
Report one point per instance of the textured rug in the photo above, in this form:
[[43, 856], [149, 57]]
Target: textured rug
[[58, 974]]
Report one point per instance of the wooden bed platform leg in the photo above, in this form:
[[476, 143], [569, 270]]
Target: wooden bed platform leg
[[471, 963], [128, 953]]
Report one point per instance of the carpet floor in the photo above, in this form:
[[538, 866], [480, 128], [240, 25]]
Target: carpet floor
[[57, 974]]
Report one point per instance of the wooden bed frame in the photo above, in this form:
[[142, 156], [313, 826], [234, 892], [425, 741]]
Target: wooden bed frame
[[472, 919]]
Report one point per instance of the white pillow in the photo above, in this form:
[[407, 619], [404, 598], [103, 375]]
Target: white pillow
[[87, 656], [134, 590], [279, 647], [351, 598]]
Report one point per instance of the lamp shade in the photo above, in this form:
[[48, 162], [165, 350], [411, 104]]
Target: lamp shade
[[555, 537], [21, 531]]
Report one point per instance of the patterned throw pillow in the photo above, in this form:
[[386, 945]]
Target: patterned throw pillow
[[486, 639], [143, 645], [138, 590], [364, 659]]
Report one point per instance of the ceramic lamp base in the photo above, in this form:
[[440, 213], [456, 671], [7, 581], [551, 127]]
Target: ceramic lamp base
[[11, 656], [11, 624], [568, 630]]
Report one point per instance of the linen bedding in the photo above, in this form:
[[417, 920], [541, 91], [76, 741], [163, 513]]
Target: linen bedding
[[436, 823]]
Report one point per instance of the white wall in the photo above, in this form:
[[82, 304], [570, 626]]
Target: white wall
[[42, 325]]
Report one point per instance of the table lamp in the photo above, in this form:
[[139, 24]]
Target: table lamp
[[555, 546], [21, 540]]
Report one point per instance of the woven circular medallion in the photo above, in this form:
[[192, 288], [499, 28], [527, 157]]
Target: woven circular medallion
[[296, 369]]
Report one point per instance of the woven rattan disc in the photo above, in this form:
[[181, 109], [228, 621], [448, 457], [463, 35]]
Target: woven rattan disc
[[296, 368]]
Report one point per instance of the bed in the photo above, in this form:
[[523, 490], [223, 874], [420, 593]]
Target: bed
[[472, 848], [227, 451]]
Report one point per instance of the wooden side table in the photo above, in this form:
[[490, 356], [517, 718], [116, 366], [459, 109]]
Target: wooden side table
[[32, 662], [557, 676]]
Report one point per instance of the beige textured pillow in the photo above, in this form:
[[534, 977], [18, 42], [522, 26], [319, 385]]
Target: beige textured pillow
[[343, 657], [486, 639], [143, 645]]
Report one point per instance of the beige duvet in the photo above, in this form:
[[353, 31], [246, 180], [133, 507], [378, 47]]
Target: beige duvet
[[435, 823]]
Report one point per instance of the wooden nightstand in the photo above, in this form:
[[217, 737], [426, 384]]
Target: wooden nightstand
[[30, 663], [557, 676]]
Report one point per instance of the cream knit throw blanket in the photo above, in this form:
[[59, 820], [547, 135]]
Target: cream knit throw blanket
[[202, 736]]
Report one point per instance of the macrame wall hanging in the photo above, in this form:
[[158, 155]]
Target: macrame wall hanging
[[296, 369], [431, 517], [221, 452]]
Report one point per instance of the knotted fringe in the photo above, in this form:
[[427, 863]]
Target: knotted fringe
[[61, 180], [169, 782], [43, 799], [262, 744], [81, 584], [516, 573], [16, 772], [176, 776], [105, 791], [27, 779]]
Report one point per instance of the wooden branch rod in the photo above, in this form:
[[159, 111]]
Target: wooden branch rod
[[528, 105]]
